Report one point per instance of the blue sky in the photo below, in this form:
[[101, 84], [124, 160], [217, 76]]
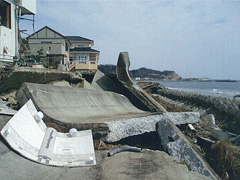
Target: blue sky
[[193, 38]]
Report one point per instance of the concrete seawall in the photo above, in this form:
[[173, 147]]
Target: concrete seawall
[[83, 108]]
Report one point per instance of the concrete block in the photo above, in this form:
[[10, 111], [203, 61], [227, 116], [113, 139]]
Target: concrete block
[[182, 117], [175, 143]]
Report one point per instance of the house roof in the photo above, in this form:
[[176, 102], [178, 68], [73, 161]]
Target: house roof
[[64, 37], [78, 39], [81, 49]]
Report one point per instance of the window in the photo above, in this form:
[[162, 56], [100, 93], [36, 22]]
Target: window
[[49, 48], [82, 59], [5, 14], [92, 62]]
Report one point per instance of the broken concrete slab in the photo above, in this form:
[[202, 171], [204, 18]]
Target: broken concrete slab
[[220, 134], [130, 127], [182, 117], [175, 143], [207, 123], [123, 76], [102, 82], [87, 85], [123, 128], [83, 108]]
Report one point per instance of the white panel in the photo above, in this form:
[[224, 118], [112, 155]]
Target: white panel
[[35, 141]]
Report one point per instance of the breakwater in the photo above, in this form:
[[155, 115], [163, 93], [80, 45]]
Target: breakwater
[[226, 110]]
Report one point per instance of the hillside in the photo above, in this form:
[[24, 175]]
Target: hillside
[[143, 73]]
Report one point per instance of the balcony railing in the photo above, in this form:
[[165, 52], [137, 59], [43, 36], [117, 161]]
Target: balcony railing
[[75, 59]]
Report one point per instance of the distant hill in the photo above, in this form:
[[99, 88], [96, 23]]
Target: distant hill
[[143, 73]]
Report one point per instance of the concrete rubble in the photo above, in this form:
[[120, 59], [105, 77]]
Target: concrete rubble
[[123, 128], [114, 107], [208, 124], [175, 143]]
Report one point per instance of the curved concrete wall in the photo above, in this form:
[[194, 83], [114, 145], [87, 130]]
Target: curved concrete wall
[[76, 105]]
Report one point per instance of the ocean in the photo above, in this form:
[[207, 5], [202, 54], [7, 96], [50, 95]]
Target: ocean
[[223, 89]]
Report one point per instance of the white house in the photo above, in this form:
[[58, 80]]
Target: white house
[[10, 10]]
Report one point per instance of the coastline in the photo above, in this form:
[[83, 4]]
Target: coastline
[[217, 89]]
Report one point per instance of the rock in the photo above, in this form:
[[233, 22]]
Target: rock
[[175, 143]]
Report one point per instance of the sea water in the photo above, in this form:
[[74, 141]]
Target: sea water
[[223, 89]]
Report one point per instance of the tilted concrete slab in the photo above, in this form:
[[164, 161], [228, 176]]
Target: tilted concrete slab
[[30, 137], [178, 146], [123, 76], [77, 105], [102, 82]]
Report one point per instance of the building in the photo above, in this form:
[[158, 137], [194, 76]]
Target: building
[[10, 12], [53, 45], [81, 55]]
